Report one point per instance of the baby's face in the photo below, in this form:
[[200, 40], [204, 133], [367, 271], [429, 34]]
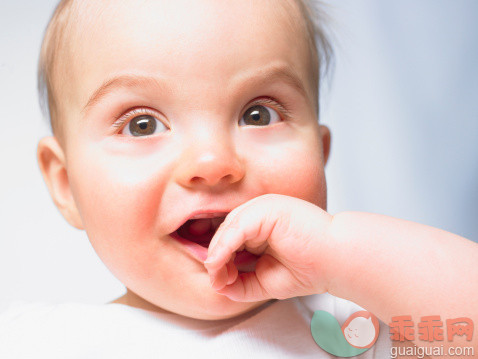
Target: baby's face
[[181, 106]]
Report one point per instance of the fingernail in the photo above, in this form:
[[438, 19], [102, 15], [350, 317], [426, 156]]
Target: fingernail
[[215, 286], [211, 248], [210, 259]]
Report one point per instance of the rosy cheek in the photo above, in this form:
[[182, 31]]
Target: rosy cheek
[[294, 171], [118, 198]]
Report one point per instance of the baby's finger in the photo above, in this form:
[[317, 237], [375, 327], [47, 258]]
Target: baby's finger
[[224, 275], [222, 227], [251, 230], [217, 268], [219, 278], [246, 288], [229, 242], [231, 271], [234, 217]]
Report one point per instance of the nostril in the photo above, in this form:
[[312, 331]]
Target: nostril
[[212, 180], [196, 180]]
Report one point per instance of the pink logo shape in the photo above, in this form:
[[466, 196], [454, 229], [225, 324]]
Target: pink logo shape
[[361, 329]]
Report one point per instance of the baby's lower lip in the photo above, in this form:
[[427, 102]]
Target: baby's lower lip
[[244, 261], [199, 252]]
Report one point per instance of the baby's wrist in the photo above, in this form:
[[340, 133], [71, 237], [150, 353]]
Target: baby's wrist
[[340, 255]]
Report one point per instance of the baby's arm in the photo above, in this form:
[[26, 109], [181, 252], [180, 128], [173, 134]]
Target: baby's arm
[[394, 267], [390, 267]]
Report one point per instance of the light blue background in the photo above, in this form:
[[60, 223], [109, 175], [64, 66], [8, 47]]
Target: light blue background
[[403, 111]]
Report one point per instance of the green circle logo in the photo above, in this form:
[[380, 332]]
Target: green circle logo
[[357, 335]]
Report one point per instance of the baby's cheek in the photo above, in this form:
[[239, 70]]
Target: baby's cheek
[[294, 169], [118, 203], [308, 180]]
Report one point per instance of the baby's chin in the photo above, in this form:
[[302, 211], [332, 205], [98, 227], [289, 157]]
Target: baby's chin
[[217, 307], [204, 305], [234, 310]]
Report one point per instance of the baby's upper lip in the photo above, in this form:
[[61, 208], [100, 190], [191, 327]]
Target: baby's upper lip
[[203, 213]]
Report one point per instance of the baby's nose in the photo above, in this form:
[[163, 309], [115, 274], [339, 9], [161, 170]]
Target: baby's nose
[[209, 160]]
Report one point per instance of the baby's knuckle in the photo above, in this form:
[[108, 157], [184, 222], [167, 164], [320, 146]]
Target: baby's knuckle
[[234, 225]]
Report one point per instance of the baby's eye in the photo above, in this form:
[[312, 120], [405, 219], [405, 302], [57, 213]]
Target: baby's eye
[[144, 125], [259, 115]]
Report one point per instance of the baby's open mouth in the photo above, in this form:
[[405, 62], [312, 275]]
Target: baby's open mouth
[[196, 234], [200, 230], [196, 231]]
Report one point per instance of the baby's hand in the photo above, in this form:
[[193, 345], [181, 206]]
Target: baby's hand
[[290, 235]]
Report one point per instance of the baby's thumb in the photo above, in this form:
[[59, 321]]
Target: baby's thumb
[[246, 227]]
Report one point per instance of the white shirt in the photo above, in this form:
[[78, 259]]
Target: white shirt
[[277, 329]]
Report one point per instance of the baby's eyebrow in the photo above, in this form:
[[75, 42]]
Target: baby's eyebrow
[[273, 73], [121, 81], [256, 78]]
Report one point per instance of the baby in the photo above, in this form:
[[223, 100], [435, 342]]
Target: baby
[[187, 145]]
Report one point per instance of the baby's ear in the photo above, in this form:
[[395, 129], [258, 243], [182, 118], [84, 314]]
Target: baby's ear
[[51, 160], [325, 136]]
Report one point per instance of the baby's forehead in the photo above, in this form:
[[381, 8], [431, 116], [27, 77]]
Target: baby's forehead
[[200, 39], [180, 18]]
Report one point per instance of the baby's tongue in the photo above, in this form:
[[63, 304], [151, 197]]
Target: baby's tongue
[[200, 226]]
